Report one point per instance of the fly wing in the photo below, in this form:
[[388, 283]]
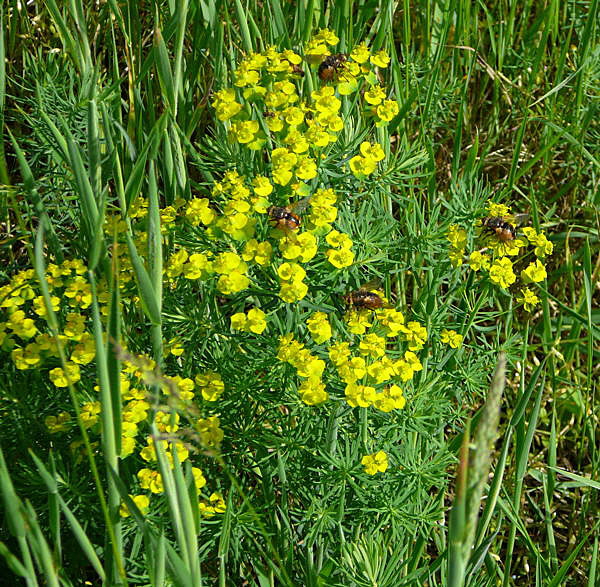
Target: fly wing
[[371, 285], [520, 219], [300, 206]]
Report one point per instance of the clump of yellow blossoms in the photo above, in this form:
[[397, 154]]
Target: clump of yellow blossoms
[[504, 247], [375, 463]]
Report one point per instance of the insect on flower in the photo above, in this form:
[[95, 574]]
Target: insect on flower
[[504, 227], [364, 298], [331, 66], [286, 217]]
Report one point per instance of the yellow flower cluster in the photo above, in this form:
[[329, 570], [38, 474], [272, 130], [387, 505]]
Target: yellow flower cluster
[[341, 255], [255, 320], [365, 164], [319, 327], [375, 463], [292, 286], [502, 243], [312, 389]]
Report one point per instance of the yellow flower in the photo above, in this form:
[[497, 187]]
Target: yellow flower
[[258, 252], [232, 283], [89, 413], [362, 166], [372, 151], [262, 186], [501, 272], [375, 95], [198, 211], [312, 391], [142, 503], [358, 321], [415, 335], [456, 257], [360, 53], [372, 345], [535, 272], [494, 209], [391, 320], [255, 321], [543, 246], [479, 261], [327, 36], [339, 240], [210, 432], [62, 378], [375, 463], [339, 353], [340, 258], [528, 299], [319, 327], [457, 236], [214, 505], [352, 370], [151, 480], [451, 338], [211, 385], [387, 110], [380, 59], [293, 291], [361, 396], [60, 423], [244, 131], [412, 361]]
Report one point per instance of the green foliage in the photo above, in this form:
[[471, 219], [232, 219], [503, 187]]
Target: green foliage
[[112, 134]]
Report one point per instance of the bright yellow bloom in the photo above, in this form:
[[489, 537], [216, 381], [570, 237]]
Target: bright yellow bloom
[[387, 110], [258, 252], [339, 353], [543, 246], [391, 320], [478, 260], [61, 378], [198, 211], [89, 413], [380, 59], [375, 463], [457, 236], [361, 396], [340, 258], [338, 240], [262, 186], [360, 53], [210, 432], [528, 299], [494, 209], [319, 327], [501, 272], [358, 321], [415, 335], [312, 391], [451, 338], [372, 151], [375, 95], [352, 370], [151, 480], [255, 321], [211, 385], [362, 166], [214, 505], [534, 273], [372, 345]]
